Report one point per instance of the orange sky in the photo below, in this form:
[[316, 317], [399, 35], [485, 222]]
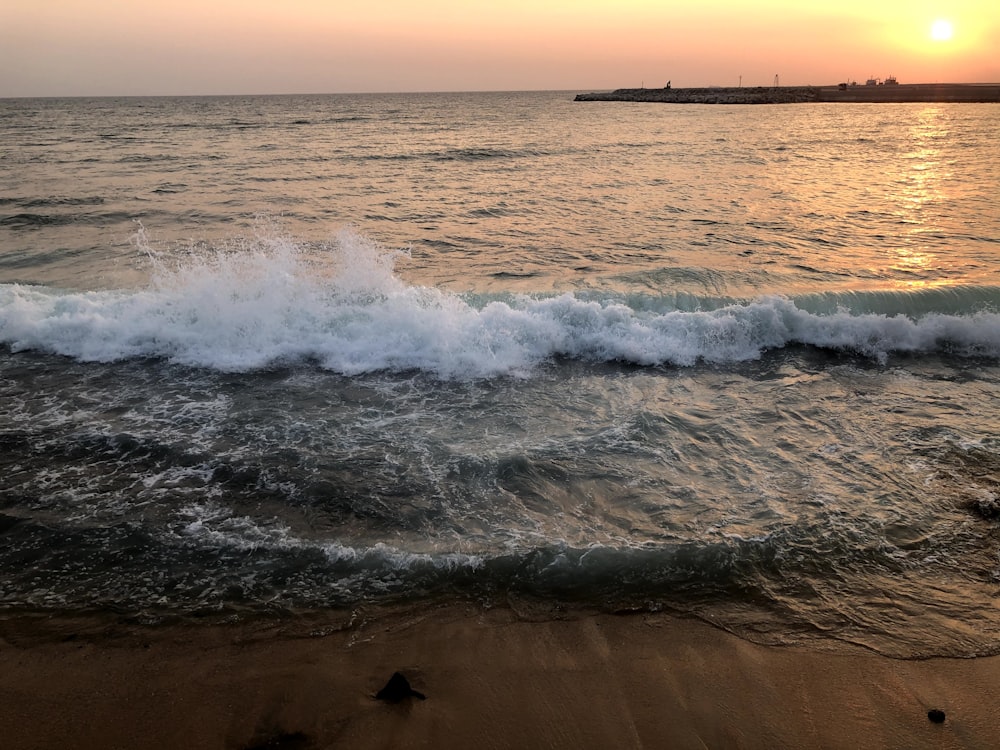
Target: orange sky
[[133, 47]]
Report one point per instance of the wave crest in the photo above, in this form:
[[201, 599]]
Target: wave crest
[[261, 302]]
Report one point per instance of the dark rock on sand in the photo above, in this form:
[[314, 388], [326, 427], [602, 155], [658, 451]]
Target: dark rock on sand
[[282, 741], [398, 689], [936, 715]]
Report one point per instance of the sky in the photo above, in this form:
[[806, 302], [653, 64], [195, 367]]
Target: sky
[[177, 47]]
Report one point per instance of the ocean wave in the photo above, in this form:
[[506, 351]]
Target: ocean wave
[[31, 221], [457, 155], [269, 301], [28, 220], [56, 200], [948, 300], [210, 559]]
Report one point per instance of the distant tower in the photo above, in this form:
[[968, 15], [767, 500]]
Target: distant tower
[[775, 80]]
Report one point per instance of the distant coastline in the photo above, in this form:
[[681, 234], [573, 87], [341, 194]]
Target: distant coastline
[[912, 92]]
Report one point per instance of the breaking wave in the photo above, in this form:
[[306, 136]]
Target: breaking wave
[[271, 301]]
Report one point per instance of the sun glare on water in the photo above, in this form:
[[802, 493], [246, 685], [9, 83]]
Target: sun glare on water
[[941, 30]]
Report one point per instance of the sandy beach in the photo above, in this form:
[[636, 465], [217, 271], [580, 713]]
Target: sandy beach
[[491, 680]]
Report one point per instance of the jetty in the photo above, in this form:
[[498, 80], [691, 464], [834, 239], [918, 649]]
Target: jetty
[[881, 93]]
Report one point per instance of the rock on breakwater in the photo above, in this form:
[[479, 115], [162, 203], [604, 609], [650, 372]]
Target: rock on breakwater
[[749, 95]]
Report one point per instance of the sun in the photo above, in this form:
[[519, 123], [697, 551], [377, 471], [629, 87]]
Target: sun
[[942, 30]]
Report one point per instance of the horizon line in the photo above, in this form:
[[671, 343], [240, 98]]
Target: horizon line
[[461, 91]]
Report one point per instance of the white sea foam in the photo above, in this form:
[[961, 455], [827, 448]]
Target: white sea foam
[[268, 301], [212, 524]]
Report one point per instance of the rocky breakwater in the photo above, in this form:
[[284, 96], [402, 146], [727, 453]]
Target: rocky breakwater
[[748, 95], [913, 92]]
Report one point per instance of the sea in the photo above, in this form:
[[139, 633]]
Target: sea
[[263, 356]]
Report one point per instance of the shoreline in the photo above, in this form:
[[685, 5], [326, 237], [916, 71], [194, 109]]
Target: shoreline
[[491, 679], [911, 92]]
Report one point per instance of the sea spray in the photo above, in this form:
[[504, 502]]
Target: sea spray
[[262, 301]]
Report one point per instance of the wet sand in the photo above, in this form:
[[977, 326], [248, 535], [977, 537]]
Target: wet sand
[[491, 680]]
